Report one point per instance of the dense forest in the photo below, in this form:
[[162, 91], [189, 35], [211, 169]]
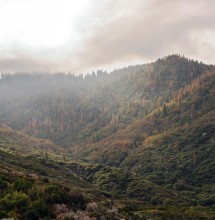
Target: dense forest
[[138, 140]]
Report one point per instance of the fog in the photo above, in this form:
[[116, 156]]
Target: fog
[[79, 37]]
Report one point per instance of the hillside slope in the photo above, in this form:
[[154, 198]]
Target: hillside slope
[[145, 133], [19, 143], [181, 159], [185, 108], [73, 111], [36, 186]]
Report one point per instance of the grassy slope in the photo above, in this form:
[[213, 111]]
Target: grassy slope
[[17, 142], [78, 184], [109, 187], [174, 149]]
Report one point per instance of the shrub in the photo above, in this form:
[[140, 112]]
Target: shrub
[[3, 185], [207, 201], [53, 199], [3, 214], [155, 201], [52, 189], [22, 184], [41, 207], [76, 199], [31, 214]]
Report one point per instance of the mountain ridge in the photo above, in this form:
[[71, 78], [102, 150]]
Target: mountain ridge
[[152, 122]]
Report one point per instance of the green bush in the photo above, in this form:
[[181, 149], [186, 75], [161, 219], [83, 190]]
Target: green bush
[[3, 185], [16, 200], [155, 201], [31, 214], [52, 189], [22, 184], [3, 214], [76, 199], [53, 199], [34, 194], [41, 207], [207, 201]]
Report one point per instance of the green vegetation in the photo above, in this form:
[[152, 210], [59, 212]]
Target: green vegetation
[[137, 143], [22, 144], [25, 198]]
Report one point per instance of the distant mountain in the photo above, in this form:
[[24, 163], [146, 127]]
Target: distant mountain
[[73, 111], [153, 122]]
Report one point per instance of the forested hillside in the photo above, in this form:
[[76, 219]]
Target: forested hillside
[[145, 133], [107, 111], [71, 110], [39, 185]]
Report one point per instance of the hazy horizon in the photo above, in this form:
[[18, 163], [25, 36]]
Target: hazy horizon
[[79, 37]]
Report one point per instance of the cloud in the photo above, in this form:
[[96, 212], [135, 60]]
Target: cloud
[[107, 34], [22, 65], [151, 30]]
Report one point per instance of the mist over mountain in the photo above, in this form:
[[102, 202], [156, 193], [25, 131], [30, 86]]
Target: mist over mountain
[[142, 139]]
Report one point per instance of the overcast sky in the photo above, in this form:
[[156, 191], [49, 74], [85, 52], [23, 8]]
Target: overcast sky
[[81, 35]]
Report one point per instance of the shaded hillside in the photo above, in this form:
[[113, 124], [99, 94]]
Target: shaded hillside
[[76, 172], [31, 188], [72, 111], [20, 143], [187, 105], [181, 159], [36, 186], [145, 134], [173, 146]]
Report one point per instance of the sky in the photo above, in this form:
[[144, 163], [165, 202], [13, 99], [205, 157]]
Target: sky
[[79, 36]]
